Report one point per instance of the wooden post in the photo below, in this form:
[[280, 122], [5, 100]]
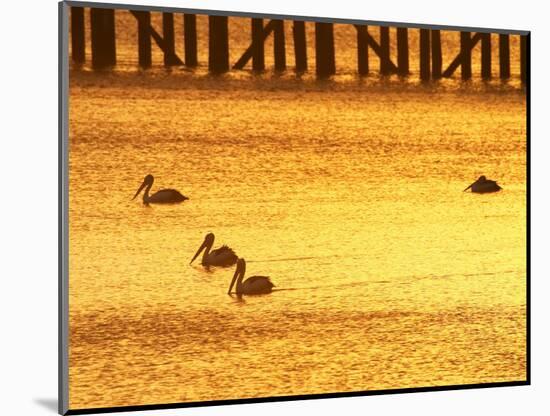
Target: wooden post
[[523, 53], [248, 54], [146, 29], [258, 57], [402, 51], [102, 22], [362, 50], [324, 50], [436, 54], [466, 44], [190, 39], [465, 55], [144, 39], [385, 48], [424, 54], [78, 43], [279, 45], [300, 50], [486, 55], [218, 44], [169, 39], [504, 56]]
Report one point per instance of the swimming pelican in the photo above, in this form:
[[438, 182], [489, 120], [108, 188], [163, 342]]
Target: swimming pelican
[[222, 256], [164, 196], [254, 285], [483, 186]]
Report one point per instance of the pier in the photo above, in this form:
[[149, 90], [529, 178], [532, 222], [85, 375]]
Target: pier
[[431, 66]]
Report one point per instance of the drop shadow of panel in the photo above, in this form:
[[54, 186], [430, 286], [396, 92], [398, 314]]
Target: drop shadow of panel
[[49, 404]]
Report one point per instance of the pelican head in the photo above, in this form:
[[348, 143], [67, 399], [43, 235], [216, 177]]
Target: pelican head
[[239, 273], [208, 242], [147, 181]]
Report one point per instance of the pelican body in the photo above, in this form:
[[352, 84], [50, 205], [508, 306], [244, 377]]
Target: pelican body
[[221, 257], [483, 186], [254, 285], [164, 196]]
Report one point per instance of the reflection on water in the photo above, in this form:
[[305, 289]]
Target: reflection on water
[[348, 197]]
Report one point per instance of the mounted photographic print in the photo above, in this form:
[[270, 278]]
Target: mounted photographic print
[[261, 208]]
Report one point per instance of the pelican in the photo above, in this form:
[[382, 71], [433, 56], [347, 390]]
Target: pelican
[[164, 196], [483, 186], [254, 285], [222, 256]]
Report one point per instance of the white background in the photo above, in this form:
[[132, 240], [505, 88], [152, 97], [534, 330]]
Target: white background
[[28, 228]]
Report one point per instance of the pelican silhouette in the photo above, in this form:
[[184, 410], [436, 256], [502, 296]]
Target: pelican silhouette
[[222, 256], [254, 285], [483, 186], [164, 196]]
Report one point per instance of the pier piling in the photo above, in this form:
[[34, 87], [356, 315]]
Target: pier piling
[[145, 32], [78, 39], [424, 54], [102, 22], [465, 55], [144, 39], [362, 50], [279, 50], [218, 44], [464, 58], [248, 54], [103, 46], [190, 39], [169, 39], [523, 46], [385, 68], [300, 49], [436, 54], [504, 56], [486, 56], [324, 50], [325, 65], [402, 51], [258, 56]]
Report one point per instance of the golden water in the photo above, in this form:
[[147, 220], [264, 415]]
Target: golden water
[[347, 193]]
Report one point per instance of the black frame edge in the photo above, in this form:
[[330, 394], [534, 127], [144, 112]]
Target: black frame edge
[[528, 206], [294, 398]]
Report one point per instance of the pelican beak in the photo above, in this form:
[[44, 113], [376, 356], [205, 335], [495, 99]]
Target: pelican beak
[[139, 190], [233, 280], [468, 187], [201, 248]]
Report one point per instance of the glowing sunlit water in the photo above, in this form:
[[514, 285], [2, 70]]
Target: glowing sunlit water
[[347, 193]]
